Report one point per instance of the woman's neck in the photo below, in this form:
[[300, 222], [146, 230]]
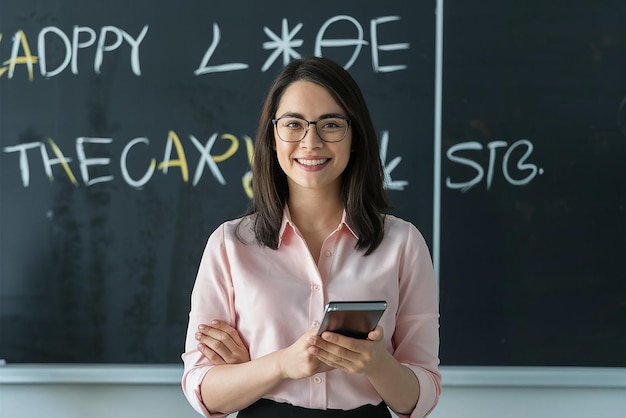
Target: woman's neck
[[316, 217], [315, 210]]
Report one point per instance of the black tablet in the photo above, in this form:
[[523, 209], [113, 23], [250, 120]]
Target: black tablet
[[352, 318]]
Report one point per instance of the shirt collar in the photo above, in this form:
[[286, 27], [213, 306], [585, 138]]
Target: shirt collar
[[288, 223]]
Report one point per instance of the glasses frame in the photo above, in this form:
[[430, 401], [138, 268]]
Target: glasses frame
[[308, 125]]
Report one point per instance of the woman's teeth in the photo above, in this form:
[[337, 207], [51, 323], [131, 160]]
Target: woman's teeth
[[312, 162]]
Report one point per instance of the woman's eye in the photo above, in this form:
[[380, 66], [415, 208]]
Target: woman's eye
[[332, 124], [293, 124]]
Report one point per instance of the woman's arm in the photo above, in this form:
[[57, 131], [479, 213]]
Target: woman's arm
[[230, 387]]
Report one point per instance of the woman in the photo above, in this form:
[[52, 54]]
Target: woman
[[316, 232]]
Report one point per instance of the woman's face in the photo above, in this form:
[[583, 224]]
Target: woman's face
[[312, 163]]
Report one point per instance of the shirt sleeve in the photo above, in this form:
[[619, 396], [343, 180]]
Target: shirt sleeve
[[211, 298], [416, 337]]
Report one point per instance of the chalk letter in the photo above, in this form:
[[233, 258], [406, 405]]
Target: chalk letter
[[492, 159], [24, 167], [246, 180], [320, 42], [41, 46], [76, 44], [389, 47], [27, 58], [388, 168], [450, 154], [134, 49], [86, 162], [204, 69], [182, 160], [102, 47], [520, 164], [47, 161], [136, 183], [205, 157]]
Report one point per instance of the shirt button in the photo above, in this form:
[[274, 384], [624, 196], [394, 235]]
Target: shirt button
[[327, 253], [317, 379], [317, 287], [316, 324]]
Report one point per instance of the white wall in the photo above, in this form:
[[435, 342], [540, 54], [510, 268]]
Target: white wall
[[122, 392]]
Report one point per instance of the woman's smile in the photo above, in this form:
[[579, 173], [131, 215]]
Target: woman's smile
[[315, 164]]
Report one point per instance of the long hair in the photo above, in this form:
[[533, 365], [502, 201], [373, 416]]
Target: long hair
[[362, 190]]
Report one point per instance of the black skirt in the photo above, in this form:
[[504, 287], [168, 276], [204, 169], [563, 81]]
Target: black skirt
[[265, 408]]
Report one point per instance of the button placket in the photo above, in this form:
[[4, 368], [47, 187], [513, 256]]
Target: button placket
[[318, 391]]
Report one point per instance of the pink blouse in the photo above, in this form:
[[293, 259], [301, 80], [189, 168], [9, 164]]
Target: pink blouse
[[272, 297]]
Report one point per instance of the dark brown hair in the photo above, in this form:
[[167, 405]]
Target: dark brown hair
[[362, 188]]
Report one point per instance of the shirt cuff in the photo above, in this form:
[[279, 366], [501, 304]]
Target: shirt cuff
[[430, 388], [191, 384]]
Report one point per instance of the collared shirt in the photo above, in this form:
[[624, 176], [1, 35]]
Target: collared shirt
[[272, 297]]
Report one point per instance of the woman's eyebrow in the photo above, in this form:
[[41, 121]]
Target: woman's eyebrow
[[332, 115], [292, 115], [324, 116]]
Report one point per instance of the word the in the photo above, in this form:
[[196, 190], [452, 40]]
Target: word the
[[529, 170]]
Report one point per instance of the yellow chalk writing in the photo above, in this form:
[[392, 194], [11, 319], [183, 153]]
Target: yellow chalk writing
[[234, 146], [246, 180], [181, 162], [27, 58], [57, 151]]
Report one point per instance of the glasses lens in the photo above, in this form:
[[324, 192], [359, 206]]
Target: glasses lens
[[291, 129], [332, 129]]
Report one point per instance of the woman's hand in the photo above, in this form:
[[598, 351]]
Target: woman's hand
[[351, 354], [396, 384], [221, 344], [297, 361]]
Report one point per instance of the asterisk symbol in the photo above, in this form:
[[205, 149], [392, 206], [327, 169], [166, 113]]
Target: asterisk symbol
[[282, 45]]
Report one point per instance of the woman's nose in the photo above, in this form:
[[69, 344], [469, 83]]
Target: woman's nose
[[311, 137]]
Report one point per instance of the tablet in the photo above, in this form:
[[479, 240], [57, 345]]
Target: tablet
[[352, 318]]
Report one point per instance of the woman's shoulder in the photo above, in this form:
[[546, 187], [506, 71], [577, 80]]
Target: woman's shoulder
[[395, 222], [240, 229], [398, 227]]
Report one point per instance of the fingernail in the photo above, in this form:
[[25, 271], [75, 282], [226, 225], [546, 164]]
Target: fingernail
[[215, 322], [310, 340]]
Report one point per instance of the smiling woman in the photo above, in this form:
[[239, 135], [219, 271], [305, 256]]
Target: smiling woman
[[316, 231], [306, 158]]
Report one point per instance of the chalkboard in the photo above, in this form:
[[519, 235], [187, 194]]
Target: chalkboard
[[533, 227], [125, 140]]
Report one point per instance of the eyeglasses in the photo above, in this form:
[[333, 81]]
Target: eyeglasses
[[292, 129]]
